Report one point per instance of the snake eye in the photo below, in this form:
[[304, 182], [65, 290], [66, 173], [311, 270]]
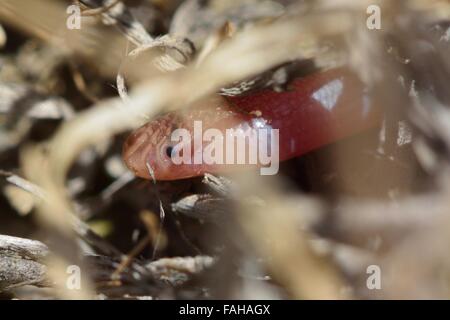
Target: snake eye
[[169, 150]]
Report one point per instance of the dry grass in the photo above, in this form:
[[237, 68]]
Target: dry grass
[[369, 200]]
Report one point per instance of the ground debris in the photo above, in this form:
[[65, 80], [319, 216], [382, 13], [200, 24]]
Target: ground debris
[[69, 98]]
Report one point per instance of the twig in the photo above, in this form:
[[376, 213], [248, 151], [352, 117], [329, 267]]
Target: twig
[[21, 262]]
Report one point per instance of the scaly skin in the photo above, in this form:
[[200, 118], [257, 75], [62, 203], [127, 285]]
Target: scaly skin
[[315, 111]]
